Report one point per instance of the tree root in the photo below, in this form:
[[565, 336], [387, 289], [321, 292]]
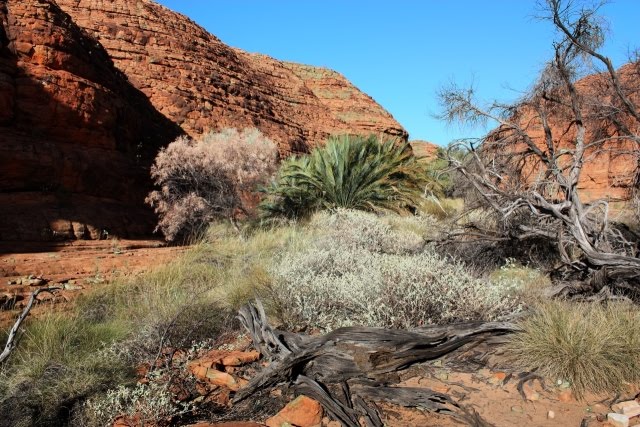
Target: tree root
[[349, 369]]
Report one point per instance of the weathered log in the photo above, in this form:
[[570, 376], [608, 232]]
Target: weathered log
[[349, 367]]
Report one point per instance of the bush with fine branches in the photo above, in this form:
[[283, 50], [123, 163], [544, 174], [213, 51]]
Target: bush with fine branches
[[210, 178], [350, 172], [360, 270]]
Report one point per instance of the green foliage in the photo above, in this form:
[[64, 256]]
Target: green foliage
[[594, 347], [60, 359], [350, 172], [441, 173]]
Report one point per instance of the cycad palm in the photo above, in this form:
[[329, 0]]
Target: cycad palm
[[350, 172]]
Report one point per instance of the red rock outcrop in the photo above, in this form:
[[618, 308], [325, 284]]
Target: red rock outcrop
[[198, 82], [424, 150], [76, 139], [610, 169], [91, 89]]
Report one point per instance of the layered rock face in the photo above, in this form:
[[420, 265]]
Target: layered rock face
[[198, 82], [424, 150], [76, 139], [91, 89], [611, 163]]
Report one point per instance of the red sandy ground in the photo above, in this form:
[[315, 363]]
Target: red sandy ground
[[81, 264]]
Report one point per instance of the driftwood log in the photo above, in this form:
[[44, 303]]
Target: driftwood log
[[350, 369]]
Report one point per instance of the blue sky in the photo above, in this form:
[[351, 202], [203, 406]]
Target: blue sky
[[401, 51]]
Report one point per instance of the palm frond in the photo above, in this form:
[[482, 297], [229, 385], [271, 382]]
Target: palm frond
[[352, 172]]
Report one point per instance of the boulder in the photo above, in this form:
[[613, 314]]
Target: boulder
[[301, 412]]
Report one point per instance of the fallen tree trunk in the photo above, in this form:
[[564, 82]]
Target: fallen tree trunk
[[349, 369]]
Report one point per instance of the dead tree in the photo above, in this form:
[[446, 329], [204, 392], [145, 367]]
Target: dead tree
[[532, 164], [350, 368]]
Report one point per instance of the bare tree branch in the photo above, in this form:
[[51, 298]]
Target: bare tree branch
[[13, 332], [533, 163]]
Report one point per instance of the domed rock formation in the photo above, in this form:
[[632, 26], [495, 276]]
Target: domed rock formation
[[91, 89], [424, 150], [200, 83], [76, 139]]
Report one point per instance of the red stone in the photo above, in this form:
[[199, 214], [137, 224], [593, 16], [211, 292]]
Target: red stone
[[301, 412]]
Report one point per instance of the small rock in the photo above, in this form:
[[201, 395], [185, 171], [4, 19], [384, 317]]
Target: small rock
[[618, 420], [302, 412], [530, 394], [533, 396], [565, 396], [517, 409], [223, 379], [629, 407], [551, 415], [239, 358], [71, 287], [497, 378]]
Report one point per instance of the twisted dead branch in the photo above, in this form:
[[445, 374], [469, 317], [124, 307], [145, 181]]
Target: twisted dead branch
[[531, 166], [350, 369]]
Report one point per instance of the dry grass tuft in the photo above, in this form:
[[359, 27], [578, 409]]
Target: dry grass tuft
[[594, 347]]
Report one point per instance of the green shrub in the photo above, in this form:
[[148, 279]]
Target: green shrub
[[594, 347], [360, 271], [532, 282], [60, 359], [349, 172]]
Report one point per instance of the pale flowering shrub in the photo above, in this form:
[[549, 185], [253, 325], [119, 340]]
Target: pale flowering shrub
[[213, 177], [150, 403], [373, 275], [366, 230]]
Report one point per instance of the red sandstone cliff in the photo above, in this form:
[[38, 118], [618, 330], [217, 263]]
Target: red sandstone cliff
[[424, 150], [90, 89], [610, 168], [197, 81], [76, 139]]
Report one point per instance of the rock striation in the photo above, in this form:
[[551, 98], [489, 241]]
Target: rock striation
[[76, 139], [610, 169], [200, 83], [91, 89]]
